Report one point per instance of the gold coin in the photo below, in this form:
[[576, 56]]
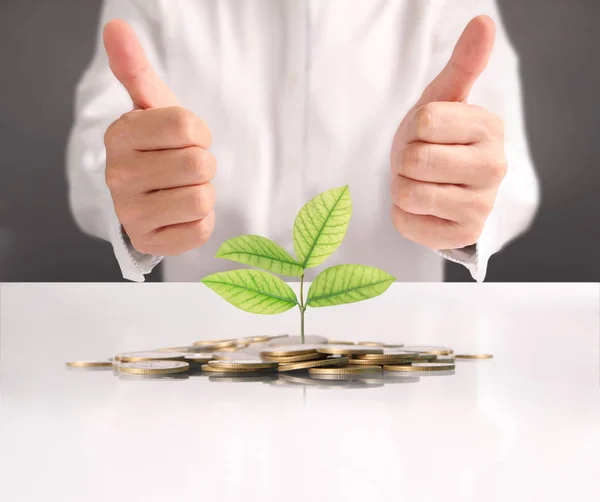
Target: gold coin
[[420, 367], [349, 349], [255, 339], [199, 357], [384, 345], [390, 356], [378, 362], [289, 350], [444, 359], [229, 371], [313, 364], [154, 367], [231, 348], [345, 370], [425, 358], [474, 356], [244, 364], [215, 344], [90, 364], [185, 349], [274, 337], [339, 342], [429, 349], [150, 355], [295, 359], [149, 376]]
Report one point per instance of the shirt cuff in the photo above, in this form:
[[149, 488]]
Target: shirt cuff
[[476, 256], [132, 263]]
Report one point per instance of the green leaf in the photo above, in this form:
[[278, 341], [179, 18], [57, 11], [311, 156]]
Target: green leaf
[[253, 291], [347, 284], [260, 252], [321, 225]]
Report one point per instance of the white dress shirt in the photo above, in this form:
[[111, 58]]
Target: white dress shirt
[[301, 96]]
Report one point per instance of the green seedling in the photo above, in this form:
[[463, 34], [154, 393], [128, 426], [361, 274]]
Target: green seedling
[[319, 229]]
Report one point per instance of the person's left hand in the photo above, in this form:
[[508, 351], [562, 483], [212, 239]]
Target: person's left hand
[[447, 157]]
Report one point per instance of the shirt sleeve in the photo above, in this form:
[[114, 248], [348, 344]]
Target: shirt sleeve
[[498, 89], [100, 100]]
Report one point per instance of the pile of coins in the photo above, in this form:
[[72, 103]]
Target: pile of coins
[[281, 359]]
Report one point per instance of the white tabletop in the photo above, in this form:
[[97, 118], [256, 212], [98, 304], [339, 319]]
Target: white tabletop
[[523, 426]]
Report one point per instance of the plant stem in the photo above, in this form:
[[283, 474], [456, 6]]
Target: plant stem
[[302, 308]]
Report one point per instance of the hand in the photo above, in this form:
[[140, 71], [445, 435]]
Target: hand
[[158, 167], [447, 157]]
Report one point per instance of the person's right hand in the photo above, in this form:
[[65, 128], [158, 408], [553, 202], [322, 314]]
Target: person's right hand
[[158, 167]]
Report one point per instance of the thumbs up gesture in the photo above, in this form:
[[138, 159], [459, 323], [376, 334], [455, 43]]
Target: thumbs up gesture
[[158, 167], [447, 157]]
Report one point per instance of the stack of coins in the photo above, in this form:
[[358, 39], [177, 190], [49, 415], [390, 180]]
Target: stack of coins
[[282, 360]]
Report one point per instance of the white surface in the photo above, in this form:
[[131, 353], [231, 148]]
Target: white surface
[[523, 426]]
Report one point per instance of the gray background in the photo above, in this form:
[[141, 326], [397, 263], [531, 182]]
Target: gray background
[[44, 47]]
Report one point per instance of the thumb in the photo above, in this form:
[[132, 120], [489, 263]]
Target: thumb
[[468, 60], [129, 64]]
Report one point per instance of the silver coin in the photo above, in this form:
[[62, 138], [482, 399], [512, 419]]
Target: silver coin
[[149, 355], [295, 339]]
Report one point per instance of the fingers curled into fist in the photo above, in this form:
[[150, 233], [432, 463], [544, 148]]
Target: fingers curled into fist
[[447, 158], [158, 166]]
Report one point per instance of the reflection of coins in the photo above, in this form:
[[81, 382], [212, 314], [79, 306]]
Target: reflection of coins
[[313, 364], [239, 378], [345, 370], [389, 357], [215, 344], [296, 380], [335, 377], [430, 349], [295, 359], [339, 342], [394, 377], [154, 367], [373, 344], [474, 356], [289, 350], [89, 364], [199, 357], [420, 367], [243, 364], [349, 349], [150, 355]]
